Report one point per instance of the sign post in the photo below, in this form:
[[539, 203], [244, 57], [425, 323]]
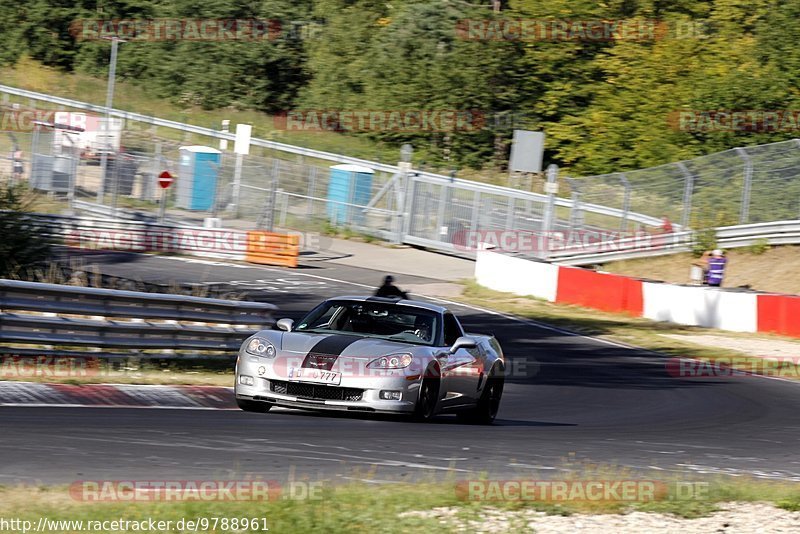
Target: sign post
[[241, 147], [527, 150], [165, 180]]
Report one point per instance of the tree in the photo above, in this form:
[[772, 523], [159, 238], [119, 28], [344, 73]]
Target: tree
[[22, 245]]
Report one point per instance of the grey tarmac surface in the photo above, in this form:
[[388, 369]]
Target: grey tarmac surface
[[571, 401]]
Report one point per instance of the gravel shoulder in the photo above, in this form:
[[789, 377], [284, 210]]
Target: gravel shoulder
[[732, 518]]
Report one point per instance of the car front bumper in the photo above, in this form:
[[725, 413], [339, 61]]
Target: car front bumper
[[355, 393]]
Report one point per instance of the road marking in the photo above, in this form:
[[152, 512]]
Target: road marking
[[47, 405]]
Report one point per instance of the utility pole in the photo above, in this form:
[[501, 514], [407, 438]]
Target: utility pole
[[112, 72]]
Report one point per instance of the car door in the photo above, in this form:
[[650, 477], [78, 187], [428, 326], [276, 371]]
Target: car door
[[458, 370]]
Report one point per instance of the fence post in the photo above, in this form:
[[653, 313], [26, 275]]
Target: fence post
[[409, 203], [237, 184], [443, 201], [400, 189], [115, 187], [688, 189], [551, 188], [267, 219], [284, 208], [312, 186], [744, 213], [349, 207], [476, 203], [32, 167], [575, 212], [151, 187], [510, 214], [626, 203], [75, 153]]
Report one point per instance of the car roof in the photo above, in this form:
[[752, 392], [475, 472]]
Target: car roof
[[384, 300]]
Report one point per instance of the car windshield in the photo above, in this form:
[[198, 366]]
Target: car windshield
[[387, 321]]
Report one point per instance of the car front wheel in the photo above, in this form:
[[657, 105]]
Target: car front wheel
[[425, 409], [485, 411]]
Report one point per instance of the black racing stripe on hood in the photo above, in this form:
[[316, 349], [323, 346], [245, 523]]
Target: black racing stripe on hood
[[327, 350]]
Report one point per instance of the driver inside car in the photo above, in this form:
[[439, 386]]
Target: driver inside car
[[423, 327]]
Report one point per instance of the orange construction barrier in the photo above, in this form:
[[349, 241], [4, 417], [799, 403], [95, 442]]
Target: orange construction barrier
[[272, 249]]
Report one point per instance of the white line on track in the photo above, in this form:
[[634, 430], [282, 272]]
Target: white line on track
[[48, 405]]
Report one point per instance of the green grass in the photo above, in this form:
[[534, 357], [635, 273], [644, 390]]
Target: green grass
[[366, 507]]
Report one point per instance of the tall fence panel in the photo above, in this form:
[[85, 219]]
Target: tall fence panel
[[280, 188]]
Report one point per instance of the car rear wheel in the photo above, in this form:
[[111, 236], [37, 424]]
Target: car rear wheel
[[253, 406], [425, 409], [485, 411]]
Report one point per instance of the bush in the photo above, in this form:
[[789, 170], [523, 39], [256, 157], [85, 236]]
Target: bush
[[704, 240], [21, 245], [760, 246]]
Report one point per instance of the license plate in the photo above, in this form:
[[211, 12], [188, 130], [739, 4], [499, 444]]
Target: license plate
[[317, 376]]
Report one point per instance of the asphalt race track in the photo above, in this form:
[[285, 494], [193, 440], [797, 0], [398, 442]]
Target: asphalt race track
[[572, 401]]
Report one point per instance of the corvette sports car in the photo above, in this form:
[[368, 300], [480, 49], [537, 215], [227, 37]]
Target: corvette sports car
[[371, 354]]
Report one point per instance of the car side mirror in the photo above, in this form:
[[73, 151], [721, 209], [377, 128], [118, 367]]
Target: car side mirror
[[285, 324], [463, 342]]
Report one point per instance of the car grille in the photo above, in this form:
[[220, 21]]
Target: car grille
[[315, 391]]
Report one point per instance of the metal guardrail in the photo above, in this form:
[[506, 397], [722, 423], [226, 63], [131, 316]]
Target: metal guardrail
[[100, 210], [745, 235], [33, 313], [140, 236], [328, 156]]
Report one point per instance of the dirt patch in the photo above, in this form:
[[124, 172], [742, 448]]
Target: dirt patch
[[764, 348], [732, 518]]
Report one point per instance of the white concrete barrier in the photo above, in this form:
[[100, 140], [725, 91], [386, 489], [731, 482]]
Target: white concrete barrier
[[688, 305], [701, 306], [515, 275]]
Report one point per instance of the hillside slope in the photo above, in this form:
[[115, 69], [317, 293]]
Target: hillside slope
[[776, 270]]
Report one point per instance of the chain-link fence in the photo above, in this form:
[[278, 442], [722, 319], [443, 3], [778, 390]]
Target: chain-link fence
[[266, 191], [738, 186]]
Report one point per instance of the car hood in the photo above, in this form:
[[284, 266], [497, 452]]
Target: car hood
[[348, 346]]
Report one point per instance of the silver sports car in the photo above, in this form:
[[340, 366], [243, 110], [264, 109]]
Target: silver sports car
[[371, 354]]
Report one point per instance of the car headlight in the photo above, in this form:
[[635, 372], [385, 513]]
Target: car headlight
[[392, 361], [260, 347]]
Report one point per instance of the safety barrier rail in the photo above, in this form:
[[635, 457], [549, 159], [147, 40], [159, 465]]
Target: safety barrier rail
[[148, 236], [33, 313], [773, 233]]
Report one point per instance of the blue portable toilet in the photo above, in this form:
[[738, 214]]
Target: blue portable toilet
[[349, 184], [197, 178]]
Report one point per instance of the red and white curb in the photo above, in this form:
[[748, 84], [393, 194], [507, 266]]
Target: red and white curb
[[726, 309], [117, 395]]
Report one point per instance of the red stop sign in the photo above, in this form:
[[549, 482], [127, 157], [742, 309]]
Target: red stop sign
[[165, 179]]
